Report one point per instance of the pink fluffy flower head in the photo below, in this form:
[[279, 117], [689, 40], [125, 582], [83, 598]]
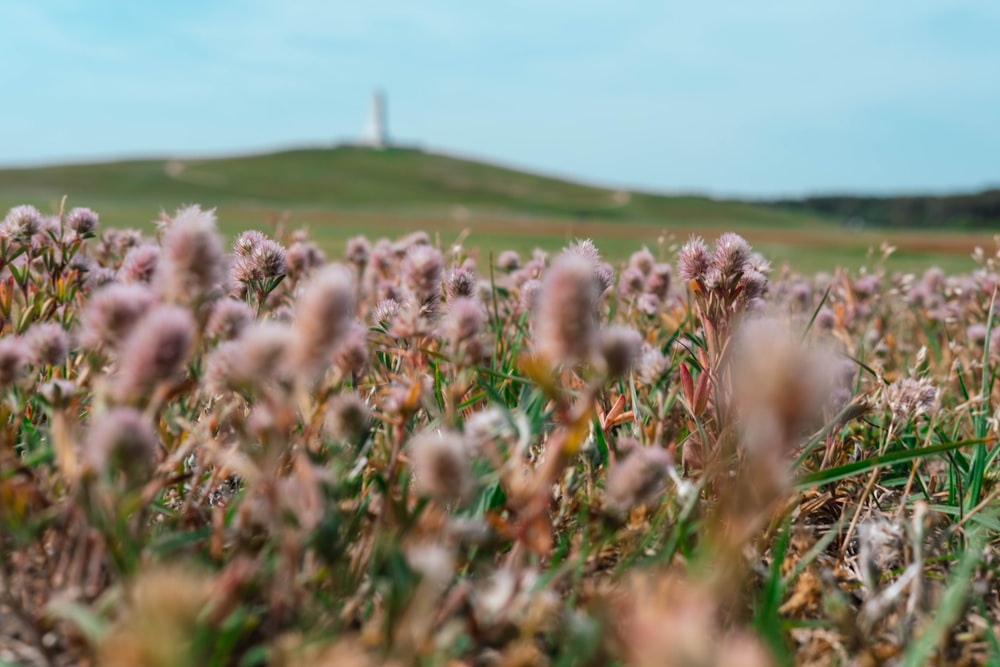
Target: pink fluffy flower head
[[442, 467], [324, 312], [14, 354], [694, 260], [82, 221], [139, 265], [155, 351], [192, 263], [121, 442], [228, 319], [49, 343], [566, 326], [111, 313]]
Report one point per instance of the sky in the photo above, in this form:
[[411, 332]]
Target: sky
[[757, 98]]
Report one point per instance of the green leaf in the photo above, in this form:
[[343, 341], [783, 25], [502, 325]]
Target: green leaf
[[857, 467]]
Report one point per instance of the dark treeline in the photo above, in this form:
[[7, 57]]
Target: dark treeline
[[972, 211]]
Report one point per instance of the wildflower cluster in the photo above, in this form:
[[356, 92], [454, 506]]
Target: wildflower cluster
[[249, 454]]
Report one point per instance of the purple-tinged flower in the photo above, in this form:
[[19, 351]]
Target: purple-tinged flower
[[422, 267], [351, 354], [648, 304], [620, 347], [14, 354], [462, 326], [385, 311], [566, 325], [694, 260], [604, 273], [584, 248], [753, 284], [348, 418], [324, 313], [139, 265], [639, 479], [247, 242], [658, 280], [192, 263], [642, 261], [651, 364], [908, 398], [732, 255], [257, 358], [228, 319], [460, 283], [111, 313], [632, 281], [49, 343], [269, 257], [303, 257], [357, 250], [508, 261], [155, 351], [442, 467], [120, 440], [21, 223], [82, 221]]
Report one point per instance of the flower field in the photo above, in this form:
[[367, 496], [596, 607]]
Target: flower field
[[420, 455]]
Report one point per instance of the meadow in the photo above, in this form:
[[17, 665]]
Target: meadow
[[253, 448], [337, 192]]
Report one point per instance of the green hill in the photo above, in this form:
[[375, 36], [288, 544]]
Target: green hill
[[339, 192]]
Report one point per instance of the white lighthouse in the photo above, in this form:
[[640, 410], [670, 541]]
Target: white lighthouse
[[377, 134]]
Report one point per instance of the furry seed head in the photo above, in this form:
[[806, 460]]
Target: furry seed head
[[908, 398], [508, 261], [122, 440], [422, 267], [258, 358], [14, 354], [228, 319], [642, 261], [441, 466], [694, 260], [462, 326], [303, 257], [82, 220], [620, 347], [112, 312], [385, 311], [247, 242], [351, 355], [139, 265], [638, 480], [21, 223], [566, 317], [347, 418], [632, 282], [358, 250], [49, 343], [460, 283], [324, 312], [192, 262], [658, 280], [732, 255], [155, 351]]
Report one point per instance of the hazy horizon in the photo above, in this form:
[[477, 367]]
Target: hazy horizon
[[724, 99]]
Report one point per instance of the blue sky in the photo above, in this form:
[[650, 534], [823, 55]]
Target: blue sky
[[762, 97]]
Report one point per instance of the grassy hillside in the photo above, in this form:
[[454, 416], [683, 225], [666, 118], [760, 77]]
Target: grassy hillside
[[344, 191]]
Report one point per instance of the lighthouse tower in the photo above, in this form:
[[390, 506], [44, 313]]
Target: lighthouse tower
[[377, 135]]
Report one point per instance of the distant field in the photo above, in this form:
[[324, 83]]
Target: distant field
[[340, 192]]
